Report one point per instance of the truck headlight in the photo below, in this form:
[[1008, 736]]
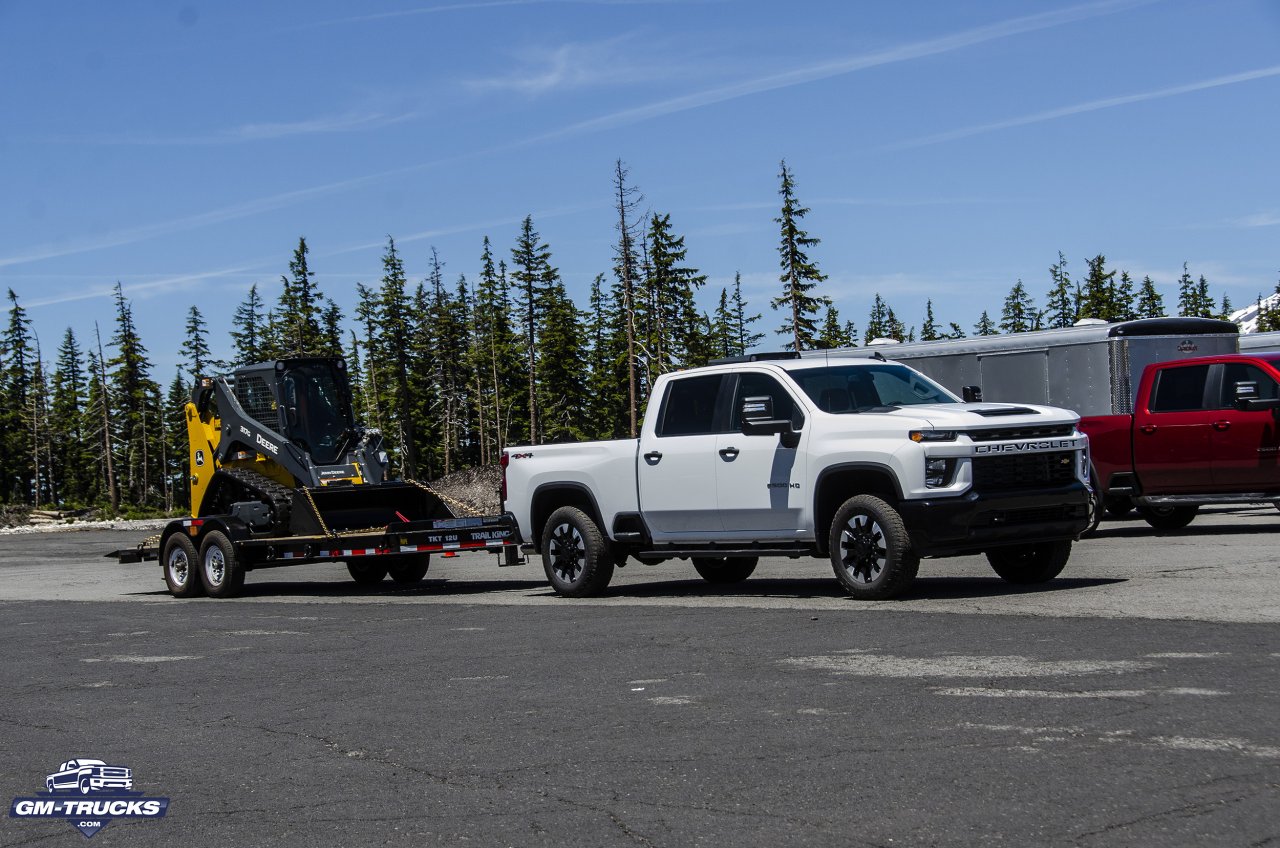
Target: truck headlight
[[937, 472], [932, 435]]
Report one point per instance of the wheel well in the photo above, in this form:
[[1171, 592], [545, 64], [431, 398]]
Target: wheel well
[[837, 486], [548, 499]]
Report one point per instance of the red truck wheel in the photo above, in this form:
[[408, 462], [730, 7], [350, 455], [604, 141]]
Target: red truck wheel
[[1036, 563], [1168, 517]]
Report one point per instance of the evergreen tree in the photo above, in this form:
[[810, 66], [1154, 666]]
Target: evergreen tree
[[1224, 312], [1188, 295], [177, 457], [956, 332], [496, 358], [799, 274], [1019, 314], [296, 330], [832, 335], [247, 329], [39, 439], [394, 321], [1122, 296], [72, 454], [1060, 308], [1096, 295], [720, 329], [929, 329], [17, 357], [1150, 301], [562, 384], [195, 347], [676, 323], [985, 326], [740, 325], [878, 325], [626, 271], [533, 279], [606, 386], [137, 409]]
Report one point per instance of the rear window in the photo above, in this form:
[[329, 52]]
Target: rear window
[[689, 409], [1180, 389]]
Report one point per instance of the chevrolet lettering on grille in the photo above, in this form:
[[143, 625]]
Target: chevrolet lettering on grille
[[1025, 447]]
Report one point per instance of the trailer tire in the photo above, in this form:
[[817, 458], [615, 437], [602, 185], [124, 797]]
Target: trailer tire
[[575, 556], [366, 573], [1038, 562], [1168, 517], [181, 572], [410, 569], [725, 570], [220, 569], [871, 551]]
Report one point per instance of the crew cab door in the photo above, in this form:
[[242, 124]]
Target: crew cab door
[[1245, 444], [676, 469], [760, 482], [1172, 426]]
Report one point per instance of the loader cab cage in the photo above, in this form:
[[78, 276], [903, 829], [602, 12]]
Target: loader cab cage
[[317, 408]]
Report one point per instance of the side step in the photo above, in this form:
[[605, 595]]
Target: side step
[[792, 551], [1207, 500]]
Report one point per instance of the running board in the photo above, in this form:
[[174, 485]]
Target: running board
[[1198, 500], [794, 552]]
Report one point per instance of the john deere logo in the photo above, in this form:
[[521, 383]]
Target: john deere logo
[[89, 794]]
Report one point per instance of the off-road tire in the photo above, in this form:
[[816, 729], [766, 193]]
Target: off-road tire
[[575, 556], [366, 573], [1039, 562], [871, 552], [1168, 517], [180, 564], [220, 570], [409, 569], [1118, 506], [725, 570]]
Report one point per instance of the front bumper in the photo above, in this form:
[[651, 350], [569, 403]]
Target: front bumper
[[976, 522]]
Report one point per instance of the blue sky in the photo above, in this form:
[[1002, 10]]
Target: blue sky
[[945, 149]]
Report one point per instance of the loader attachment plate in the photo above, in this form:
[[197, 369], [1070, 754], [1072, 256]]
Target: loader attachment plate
[[324, 510]]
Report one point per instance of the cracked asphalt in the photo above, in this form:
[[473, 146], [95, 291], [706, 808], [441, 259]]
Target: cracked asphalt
[[1131, 702]]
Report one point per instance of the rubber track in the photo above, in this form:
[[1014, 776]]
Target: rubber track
[[255, 486]]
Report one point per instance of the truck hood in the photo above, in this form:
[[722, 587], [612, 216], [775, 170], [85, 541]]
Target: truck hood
[[977, 416]]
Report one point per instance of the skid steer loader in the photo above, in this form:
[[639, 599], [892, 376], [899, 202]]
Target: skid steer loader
[[281, 474]]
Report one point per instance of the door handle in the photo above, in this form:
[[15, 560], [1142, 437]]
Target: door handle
[[653, 457], [1221, 425], [729, 453], [1148, 428]]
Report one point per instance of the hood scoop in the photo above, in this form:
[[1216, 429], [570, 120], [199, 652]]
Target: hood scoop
[[1007, 410]]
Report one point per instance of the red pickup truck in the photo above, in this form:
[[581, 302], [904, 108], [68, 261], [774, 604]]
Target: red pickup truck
[[1202, 431]]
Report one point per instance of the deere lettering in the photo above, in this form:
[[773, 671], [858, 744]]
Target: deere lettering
[[266, 444], [1024, 447]]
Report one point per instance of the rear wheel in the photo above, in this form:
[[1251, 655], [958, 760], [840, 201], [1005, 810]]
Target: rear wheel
[[871, 552], [1118, 506], [181, 574], [220, 569], [1034, 563], [1168, 517], [574, 554], [410, 569], [725, 570], [366, 573]]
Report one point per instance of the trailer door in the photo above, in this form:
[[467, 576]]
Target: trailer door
[[1018, 377]]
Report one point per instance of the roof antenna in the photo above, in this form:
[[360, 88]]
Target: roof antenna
[[878, 355]]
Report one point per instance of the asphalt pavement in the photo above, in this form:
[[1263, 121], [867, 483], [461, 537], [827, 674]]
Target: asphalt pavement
[[1130, 702]]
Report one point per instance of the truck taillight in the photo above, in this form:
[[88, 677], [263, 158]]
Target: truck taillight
[[502, 488]]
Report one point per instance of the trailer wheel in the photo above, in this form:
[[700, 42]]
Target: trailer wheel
[[366, 573], [1168, 517], [410, 569], [220, 569], [574, 554], [871, 551], [1035, 563], [181, 574], [724, 570]]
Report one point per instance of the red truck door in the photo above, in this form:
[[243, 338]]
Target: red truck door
[[1246, 448], [1173, 422]]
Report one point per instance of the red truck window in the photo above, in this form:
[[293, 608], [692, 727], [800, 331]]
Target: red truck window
[[1180, 389], [1243, 372]]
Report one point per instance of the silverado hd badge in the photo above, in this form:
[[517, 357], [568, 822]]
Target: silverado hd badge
[[89, 794]]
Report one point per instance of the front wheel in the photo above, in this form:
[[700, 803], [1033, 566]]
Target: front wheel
[[1168, 517], [180, 571], [1035, 563], [366, 573], [724, 570], [871, 552], [574, 554], [411, 570], [220, 569]]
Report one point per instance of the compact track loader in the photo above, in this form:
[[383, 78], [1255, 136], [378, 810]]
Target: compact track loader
[[282, 475]]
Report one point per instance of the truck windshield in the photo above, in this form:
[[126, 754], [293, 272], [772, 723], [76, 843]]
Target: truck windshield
[[858, 388]]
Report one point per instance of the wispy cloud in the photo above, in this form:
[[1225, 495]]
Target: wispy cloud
[[1092, 106], [578, 65], [838, 67], [263, 131], [487, 4], [1268, 218], [145, 289]]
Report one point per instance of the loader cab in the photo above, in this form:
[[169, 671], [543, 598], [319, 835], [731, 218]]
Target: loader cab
[[315, 407]]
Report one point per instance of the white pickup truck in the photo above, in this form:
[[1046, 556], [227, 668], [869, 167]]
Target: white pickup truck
[[867, 462]]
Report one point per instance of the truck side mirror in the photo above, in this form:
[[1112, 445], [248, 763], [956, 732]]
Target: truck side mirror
[[1246, 389], [757, 420], [754, 408], [972, 394]]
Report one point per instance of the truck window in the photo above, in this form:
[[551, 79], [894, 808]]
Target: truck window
[[857, 388], [1179, 389], [1243, 372], [689, 408], [757, 385]]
